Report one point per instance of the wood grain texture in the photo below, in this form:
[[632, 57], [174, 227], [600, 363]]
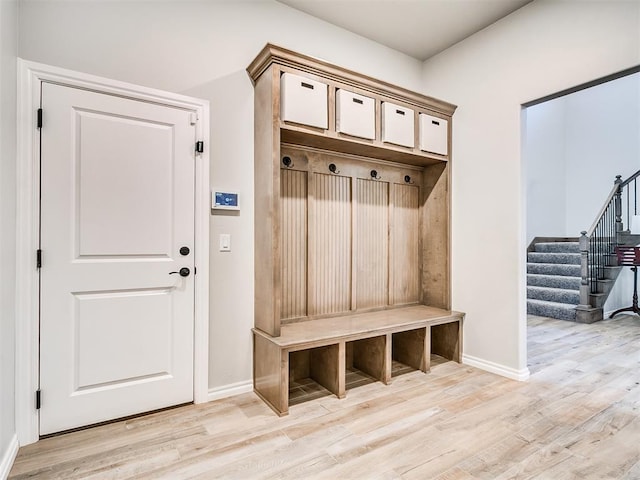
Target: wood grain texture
[[372, 238], [325, 331], [332, 245], [405, 258], [369, 356], [576, 418], [411, 348], [267, 204], [271, 374], [293, 240], [324, 366], [446, 340], [435, 240]]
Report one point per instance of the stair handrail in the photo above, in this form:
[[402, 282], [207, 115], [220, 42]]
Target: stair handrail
[[606, 204], [630, 179], [597, 245]]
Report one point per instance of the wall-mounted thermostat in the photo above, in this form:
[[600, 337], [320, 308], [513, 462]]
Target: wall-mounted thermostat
[[225, 199]]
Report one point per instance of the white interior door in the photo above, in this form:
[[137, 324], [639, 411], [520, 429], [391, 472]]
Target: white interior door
[[117, 206]]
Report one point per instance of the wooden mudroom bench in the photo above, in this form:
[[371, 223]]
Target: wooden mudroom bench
[[324, 351]]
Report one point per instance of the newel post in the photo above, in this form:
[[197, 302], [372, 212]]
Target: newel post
[[584, 270], [618, 204]]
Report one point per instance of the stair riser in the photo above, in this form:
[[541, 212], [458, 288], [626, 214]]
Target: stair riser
[[548, 269], [551, 312], [558, 258], [554, 281], [558, 247], [554, 295]]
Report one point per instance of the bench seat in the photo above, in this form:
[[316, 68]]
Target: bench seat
[[325, 349]]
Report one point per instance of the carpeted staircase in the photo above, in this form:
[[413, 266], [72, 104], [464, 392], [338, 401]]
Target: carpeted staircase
[[553, 280]]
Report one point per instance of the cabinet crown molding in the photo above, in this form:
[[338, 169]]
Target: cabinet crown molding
[[275, 55]]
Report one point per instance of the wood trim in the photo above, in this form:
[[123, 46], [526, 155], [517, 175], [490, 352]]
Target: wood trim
[[272, 54], [30, 77]]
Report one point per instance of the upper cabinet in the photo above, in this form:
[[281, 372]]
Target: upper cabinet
[[320, 105]]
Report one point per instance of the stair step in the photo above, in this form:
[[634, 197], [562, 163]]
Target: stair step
[[549, 257], [558, 247], [561, 311], [555, 281], [628, 239], [554, 269], [559, 295]]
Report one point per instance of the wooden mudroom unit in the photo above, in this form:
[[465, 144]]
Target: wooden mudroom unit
[[352, 230]]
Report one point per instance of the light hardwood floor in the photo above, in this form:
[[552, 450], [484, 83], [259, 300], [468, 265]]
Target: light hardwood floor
[[578, 417]]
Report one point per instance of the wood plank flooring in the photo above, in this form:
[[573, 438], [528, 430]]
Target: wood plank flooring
[[578, 417]]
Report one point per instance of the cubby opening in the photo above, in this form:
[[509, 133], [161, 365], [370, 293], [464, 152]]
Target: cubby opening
[[410, 351], [313, 373], [446, 341], [365, 362]]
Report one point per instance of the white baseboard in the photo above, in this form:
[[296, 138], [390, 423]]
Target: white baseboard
[[230, 390], [520, 375], [8, 457]]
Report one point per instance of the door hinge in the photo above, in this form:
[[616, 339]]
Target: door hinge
[[39, 258], [200, 147], [195, 270], [38, 399], [39, 118], [193, 118]]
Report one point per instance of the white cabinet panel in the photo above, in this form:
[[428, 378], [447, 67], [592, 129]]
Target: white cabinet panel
[[398, 125], [355, 114], [303, 101], [434, 134]]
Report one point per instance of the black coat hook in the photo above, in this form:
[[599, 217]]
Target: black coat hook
[[374, 175], [408, 180], [333, 168], [286, 161]]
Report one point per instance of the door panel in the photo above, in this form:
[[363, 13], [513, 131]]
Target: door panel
[[117, 204], [123, 166]]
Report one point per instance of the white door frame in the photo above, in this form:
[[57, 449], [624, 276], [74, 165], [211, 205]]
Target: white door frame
[[30, 76]]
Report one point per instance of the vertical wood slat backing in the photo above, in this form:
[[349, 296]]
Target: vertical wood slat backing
[[405, 257], [372, 244], [332, 245], [293, 239]]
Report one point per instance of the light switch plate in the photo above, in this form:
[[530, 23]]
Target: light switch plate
[[225, 242]]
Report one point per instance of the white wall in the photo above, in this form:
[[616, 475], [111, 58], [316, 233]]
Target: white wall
[[575, 145], [543, 48], [543, 154], [202, 49], [8, 50], [602, 131]]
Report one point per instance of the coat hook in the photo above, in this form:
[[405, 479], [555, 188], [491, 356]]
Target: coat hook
[[408, 180], [286, 161], [333, 168], [374, 175]]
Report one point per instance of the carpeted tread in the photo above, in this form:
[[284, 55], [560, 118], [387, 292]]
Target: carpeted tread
[[554, 269], [549, 294], [548, 257], [555, 281], [558, 247], [561, 311]]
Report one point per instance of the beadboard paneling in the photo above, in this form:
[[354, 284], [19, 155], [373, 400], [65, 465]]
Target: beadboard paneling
[[293, 238], [372, 240], [330, 253]]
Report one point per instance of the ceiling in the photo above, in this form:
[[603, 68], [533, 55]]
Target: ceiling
[[419, 28]]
